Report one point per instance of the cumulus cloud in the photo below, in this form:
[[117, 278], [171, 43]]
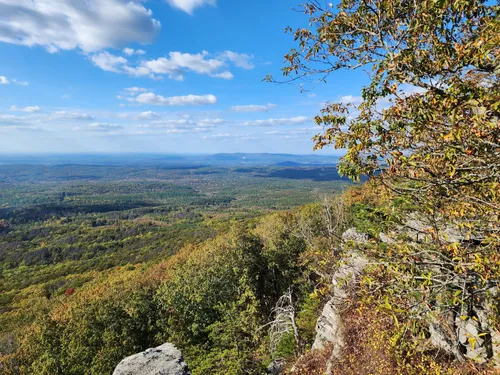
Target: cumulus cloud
[[29, 109], [176, 64], [104, 127], [90, 25], [148, 115], [108, 62], [224, 137], [351, 99], [199, 63], [20, 83], [253, 108], [296, 132], [189, 6], [179, 123], [278, 121], [209, 123], [72, 116], [224, 75], [27, 128], [5, 81], [131, 51], [162, 131], [136, 90], [26, 123], [11, 120], [183, 125], [241, 60], [153, 99]]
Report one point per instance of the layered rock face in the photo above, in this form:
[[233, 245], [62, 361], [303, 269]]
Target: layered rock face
[[329, 328], [163, 360], [471, 335]]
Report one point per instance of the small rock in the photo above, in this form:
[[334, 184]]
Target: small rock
[[353, 235], [385, 238], [276, 367]]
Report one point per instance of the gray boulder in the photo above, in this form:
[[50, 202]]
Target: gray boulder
[[163, 360], [353, 235], [276, 367]]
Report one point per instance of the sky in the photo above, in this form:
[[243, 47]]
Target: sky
[[168, 76]]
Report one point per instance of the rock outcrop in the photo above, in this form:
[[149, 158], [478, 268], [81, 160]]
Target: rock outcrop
[[163, 360], [471, 335], [329, 327], [276, 367]]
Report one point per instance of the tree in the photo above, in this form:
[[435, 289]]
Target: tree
[[426, 129], [430, 114]]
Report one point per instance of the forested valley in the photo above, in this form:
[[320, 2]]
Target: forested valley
[[98, 262]]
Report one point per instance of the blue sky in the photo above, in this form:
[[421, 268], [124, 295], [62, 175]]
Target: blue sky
[[154, 76]]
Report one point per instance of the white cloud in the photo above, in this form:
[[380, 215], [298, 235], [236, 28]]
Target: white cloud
[[219, 136], [26, 123], [209, 123], [148, 115], [184, 125], [63, 115], [131, 51], [128, 51], [20, 83], [136, 90], [11, 120], [224, 75], [253, 108], [159, 131], [297, 132], [351, 99], [199, 63], [176, 64], [108, 62], [29, 109], [104, 127], [189, 5], [278, 121], [4, 80], [28, 128], [90, 25], [153, 99], [224, 137], [241, 60]]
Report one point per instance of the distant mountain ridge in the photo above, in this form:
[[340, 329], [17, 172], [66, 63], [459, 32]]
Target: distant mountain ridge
[[220, 159]]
